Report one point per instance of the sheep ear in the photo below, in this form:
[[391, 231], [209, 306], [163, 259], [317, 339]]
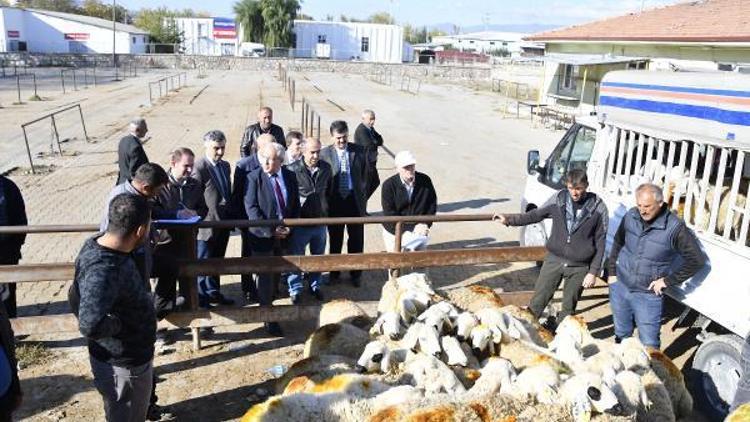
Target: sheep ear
[[377, 357]]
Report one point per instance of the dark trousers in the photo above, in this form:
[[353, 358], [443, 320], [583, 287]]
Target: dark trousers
[[264, 284], [345, 207], [246, 280], [553, 272], [8, 290], [165, 269], [215, 247]]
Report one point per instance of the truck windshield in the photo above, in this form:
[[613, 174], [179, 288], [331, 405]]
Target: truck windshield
[[573, 152]]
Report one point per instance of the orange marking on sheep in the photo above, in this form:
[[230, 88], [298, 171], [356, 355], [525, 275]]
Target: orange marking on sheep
[[437, 414], [673, 370], [481, 411]]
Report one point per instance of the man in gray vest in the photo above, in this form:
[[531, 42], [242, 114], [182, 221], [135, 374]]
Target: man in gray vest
[[652, 249]]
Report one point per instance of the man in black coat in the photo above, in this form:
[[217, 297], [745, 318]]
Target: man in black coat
[[272, 193], [575, 248], [12, 213], [264, 125], [366, 136], [349, 197], [130, 153], [213, 174], [408, 192]]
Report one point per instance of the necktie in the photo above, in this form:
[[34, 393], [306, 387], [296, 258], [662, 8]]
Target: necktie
[[279, 194], [222, 181], [344, 175]]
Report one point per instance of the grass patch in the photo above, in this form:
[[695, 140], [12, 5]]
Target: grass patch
[[31, 354], [35, 98]]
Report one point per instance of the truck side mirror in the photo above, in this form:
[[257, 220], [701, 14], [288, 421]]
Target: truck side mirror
[[532, 162]]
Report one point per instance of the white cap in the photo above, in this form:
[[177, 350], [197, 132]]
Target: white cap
[[405, 158]]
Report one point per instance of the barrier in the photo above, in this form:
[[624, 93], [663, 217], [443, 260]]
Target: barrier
[[167, 81], [54, 127], [190, 267]]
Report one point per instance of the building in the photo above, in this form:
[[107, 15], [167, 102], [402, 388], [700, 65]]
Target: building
[[208, 36], [486, 42], [368, 42], [696, 35], [43, 31]]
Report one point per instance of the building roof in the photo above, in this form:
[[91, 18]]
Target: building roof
[[588, 59], [309, 22], [688, 22], [487, 36], [90, 20]]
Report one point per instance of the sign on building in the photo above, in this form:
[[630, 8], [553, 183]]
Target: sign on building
[[224, 28], [14, 34], [77, 36]]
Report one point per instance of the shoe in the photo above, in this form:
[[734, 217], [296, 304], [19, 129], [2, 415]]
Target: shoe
[[295, 299], [274, 329], [158, 413], [357, 281], [318, 295], [251, 298], [219, 299]]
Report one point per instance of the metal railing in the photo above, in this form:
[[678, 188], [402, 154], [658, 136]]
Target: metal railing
[[35, 97], [310, 120], [170, 83], [56, 139], [410, 84], [190, 267]]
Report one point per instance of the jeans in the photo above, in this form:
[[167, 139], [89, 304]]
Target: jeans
[[315, 236], [743, 387], [125, 391], [553, 272], [215, 247], [643, 308]]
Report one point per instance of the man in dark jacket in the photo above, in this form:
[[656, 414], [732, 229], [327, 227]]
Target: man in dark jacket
[[130, 153], [12, 213], [408, 192], [314, 180], [264, 125], [349, 199], [575, 248], [366, 136], [272, 193], [115, 310], [11, 395], [652, 249]]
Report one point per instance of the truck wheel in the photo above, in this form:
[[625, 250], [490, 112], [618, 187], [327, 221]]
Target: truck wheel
[[715, 374], [534, 235]]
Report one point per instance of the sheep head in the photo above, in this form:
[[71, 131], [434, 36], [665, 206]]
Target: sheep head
[[465, 322], [388, 323], [376, 357]]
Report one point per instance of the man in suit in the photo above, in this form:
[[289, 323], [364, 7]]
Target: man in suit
[[314, 180], [263, 125], [272, 193], [244, 167], [349, 197], [408, 192], [130, 153], [12, 213], [366, 136], [183, 198], [294, 140], [213, 174]]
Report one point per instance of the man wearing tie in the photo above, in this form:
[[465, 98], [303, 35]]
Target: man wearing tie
[[366, 136], [272, 193], [213, 173], [349, 198]]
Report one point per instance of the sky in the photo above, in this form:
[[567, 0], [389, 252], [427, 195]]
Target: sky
[[432, 12]]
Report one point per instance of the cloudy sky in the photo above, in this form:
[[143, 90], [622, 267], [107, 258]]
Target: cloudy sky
[[431, 12]]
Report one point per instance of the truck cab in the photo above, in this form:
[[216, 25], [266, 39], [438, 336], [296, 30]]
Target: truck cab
[[690, 134]]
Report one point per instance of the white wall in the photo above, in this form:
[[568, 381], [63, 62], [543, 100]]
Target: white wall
[[11, 20], [345, 39], [199, 38], [510, 42]]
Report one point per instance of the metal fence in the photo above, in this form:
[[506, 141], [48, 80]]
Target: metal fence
[[56, 139], [169, 83]]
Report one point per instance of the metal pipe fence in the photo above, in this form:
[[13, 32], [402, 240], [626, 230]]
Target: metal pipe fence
[[169, 83], [56, 140], [310, 119]]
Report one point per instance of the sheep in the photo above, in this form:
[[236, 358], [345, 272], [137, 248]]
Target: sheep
[[343, 310], [539, 381], [497, 375], [674, 381], [540, 335], [415, 281], [453, 352], [440, 315], [481, 342], [341, 339], [740, 414], [410, 303], [474, 298], [585, 393], [432, 374], [316, 368], [662, 409], [376, 357], [389, 324], [633, 354], [567, 348], [465, 322], [631, 394], [421, 337], [576, 327]]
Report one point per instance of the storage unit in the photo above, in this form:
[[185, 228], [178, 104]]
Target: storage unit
[[349, 41], [43, 31]]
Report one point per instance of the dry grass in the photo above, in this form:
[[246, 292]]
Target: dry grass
[[31, 354]]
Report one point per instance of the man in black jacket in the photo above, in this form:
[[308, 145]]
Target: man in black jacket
[[366, 136], [12, 213], [575, 248], [264, 125], [408, 192], [115, 310], [314, 180], [130, 153]]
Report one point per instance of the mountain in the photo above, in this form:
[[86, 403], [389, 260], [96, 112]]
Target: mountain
[[532, 28]]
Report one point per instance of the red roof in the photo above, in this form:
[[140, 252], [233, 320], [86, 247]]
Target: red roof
[[693, 21]]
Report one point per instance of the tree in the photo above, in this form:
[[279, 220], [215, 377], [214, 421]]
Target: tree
[[4, 3], [278, 16], [305, 17], [101, 10], [158, 22], [67, 6], [250, 17], [382, 17]]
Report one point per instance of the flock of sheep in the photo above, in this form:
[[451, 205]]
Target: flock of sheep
[[462, 355]]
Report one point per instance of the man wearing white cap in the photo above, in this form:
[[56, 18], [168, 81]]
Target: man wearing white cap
[[408, 192]]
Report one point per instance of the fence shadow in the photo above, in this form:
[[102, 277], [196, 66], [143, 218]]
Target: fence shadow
[[49, 392]]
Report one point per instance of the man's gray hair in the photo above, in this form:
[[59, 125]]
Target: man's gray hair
[[214, 136], [368, 112], [138, 122], [307, 141], [278, 150], [651, 188]]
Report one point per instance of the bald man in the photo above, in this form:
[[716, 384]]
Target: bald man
[[264, 125], [366, 136], [130, 153]]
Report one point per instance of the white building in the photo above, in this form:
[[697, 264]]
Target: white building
[[208, 36], [483, 42], [43, 31], [349, 41]]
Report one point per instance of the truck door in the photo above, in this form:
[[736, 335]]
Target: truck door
[[573, 152]]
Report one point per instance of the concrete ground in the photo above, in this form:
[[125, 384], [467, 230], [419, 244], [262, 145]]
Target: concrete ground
[[475, 157]]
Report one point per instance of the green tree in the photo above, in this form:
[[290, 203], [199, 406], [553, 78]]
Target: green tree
[[250, 17], [304, 16], [104, 10], [382, 17], [278, 17], [158, 22], [4, 3], [67, 6]]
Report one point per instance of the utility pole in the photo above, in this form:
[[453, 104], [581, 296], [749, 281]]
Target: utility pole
[[114, 36]]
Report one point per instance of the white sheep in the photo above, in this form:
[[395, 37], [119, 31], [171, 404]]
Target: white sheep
[[376, 357], [585, 394], [317, 368], [411, 303], [432, 374], [465, 322], [422, 337], [343, 310], [674, 381], [567, 348], [540, 381], [415, 281], [336, 339], [474, 298], [633, 354], [454, 354], [497, 375], [628, 387], [389, 324]]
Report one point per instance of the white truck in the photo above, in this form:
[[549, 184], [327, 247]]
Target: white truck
[[689, 133]]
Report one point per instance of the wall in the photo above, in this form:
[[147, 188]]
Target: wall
[[345, 39], [695, 53], [11, 20]]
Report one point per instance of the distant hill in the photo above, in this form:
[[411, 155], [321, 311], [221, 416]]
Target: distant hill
[[523, 28]]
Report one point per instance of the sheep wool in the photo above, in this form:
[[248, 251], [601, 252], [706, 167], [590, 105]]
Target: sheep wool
[[674, 381], [343, 310], [340, 339], [317, 368]]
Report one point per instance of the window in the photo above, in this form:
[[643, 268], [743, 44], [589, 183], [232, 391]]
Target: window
[[492, 42], [321, 39], [202, 30], [144, 39], [133, 40], [568, 76], [365, 44], [637, 65], [573, 152]]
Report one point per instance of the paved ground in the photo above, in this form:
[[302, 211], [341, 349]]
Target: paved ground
[[475, 157]]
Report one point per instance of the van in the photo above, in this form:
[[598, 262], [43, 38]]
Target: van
[[690, 134]]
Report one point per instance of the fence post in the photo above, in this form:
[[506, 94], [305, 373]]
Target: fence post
[[150, 101], [18, 88], [94, 72], [75, 84], [83, 123], [62, 79], [397, 245], [28, 150], [57, 135], [318, 127]]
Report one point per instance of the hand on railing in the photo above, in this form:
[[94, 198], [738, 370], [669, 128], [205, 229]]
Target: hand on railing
[[500, 218], [421, 230], [281, 232]]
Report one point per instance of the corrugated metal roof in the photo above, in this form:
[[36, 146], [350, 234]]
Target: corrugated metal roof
[[588, 59], [90, 20]]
